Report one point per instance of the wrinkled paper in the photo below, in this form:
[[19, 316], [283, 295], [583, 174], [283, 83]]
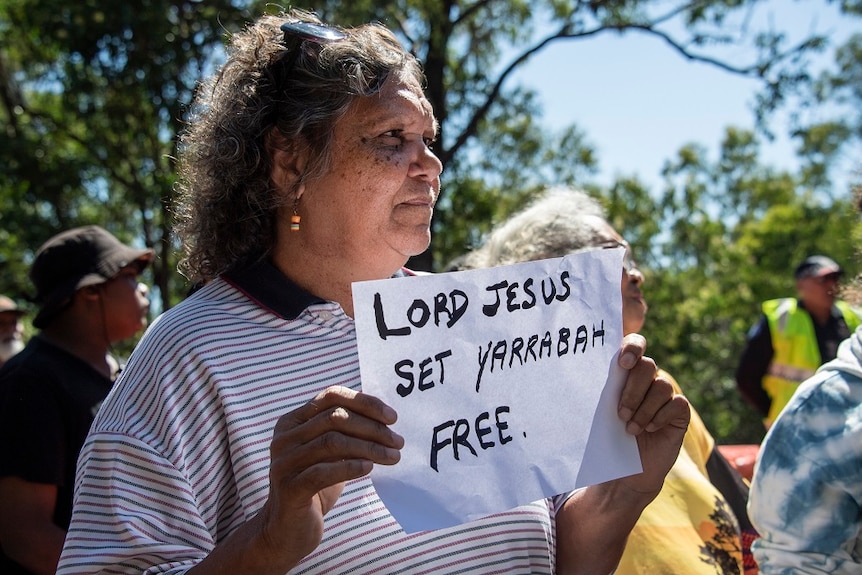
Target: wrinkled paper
[[505, 381]]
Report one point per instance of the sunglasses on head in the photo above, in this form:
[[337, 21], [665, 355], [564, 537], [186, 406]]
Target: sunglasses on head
[[311, 32], [304, 36]]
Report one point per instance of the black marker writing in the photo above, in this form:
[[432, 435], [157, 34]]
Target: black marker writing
[[494, 355], [512, 292], [404, 370], [452, 305], [459, 436]]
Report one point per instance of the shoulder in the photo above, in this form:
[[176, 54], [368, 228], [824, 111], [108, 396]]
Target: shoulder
[[40, 365], [218, 305], [217, 329], [780, 305], [851, 314], [833, 389], [817, 428], [760, 329]]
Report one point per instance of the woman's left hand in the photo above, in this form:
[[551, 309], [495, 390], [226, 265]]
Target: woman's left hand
[[653, 413]]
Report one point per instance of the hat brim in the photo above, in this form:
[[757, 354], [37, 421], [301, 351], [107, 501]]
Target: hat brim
[[822, 273]]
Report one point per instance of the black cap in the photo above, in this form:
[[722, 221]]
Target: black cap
[[74, 259], [817, 266]]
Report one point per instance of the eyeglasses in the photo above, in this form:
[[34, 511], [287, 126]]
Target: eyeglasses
[[628, 262], [298, 34]]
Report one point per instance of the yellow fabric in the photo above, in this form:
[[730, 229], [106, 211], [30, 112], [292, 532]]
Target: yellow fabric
[[796, 355], [689, 529]]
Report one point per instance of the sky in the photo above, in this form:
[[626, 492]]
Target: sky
[[638, 101]]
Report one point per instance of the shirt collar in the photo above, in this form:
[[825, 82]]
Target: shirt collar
[[270, 289], [265, 285]]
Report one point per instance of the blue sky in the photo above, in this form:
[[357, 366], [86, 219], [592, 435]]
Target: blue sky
[[638, 101]]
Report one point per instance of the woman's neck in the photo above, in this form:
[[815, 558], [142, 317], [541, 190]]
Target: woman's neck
[[331, 278]]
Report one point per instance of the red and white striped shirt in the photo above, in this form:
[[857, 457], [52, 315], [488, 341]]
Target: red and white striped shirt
[[178, 456]]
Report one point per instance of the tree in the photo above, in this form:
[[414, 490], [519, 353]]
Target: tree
[[92, 109], [732, 232], [92, 98], [471, 50]]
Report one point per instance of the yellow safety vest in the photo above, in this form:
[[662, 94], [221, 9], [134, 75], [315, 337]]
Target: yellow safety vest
[[796, 355]]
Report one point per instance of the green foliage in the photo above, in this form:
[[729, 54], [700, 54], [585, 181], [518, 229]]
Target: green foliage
[[93, 96], [734, 231], [471, 52]]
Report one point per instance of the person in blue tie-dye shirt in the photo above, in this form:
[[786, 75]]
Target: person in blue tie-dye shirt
[[806, 494]]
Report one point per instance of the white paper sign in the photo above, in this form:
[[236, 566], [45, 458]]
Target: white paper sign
[[505, 381]]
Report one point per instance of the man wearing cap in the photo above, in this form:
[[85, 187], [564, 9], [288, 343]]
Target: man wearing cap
[[794, 337], [89, 298], [11, 329]]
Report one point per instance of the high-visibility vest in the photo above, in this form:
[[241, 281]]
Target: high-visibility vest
[[796, 355]]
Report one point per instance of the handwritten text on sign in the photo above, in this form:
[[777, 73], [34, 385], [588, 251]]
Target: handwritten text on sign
[[499, 380]]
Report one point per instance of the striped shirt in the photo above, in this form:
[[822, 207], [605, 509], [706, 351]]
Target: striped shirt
[[178, 457]]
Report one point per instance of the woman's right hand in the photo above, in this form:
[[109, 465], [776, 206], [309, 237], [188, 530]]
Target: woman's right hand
[[336, 437]]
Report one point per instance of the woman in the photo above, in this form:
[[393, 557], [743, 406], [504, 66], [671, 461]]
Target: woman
[[238, 440], [694, 524]]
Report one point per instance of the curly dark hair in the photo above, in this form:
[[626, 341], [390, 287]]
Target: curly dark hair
[[227, 204]]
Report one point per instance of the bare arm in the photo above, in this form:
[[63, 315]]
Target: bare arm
[[594, 524], [27, 530], [336, 437]]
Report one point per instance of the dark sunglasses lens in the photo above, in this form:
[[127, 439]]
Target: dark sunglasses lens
[[311, 31]]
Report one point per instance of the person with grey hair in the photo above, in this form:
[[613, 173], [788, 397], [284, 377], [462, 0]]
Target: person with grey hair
[[695, 524], [561, 221], [238, 439]]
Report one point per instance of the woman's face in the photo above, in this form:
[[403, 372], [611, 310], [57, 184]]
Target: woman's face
[[634, 304], [374, 206]]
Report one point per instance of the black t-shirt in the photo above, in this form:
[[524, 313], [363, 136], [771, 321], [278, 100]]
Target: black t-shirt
[[48, 399]]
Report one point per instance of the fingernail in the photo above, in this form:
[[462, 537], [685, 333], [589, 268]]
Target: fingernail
[[389, 413], [633, 428], [628, 360], [392, 453], [625, 413]]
